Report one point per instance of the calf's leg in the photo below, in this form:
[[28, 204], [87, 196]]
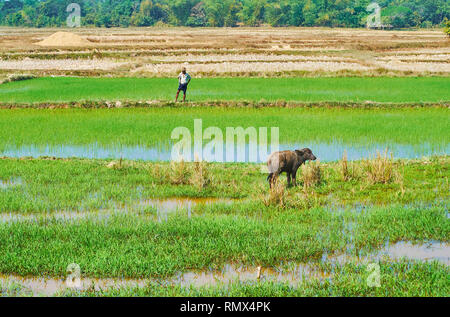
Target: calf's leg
[[294, 176]]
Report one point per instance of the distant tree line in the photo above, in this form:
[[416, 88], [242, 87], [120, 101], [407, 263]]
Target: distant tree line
[[218, 13]]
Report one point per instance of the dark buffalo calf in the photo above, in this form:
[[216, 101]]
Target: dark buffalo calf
[[289, 162]]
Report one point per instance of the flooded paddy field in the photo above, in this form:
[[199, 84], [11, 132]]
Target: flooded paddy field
[[97, 188], [134, 230], [293, 275], [91, 203], [146, 134]]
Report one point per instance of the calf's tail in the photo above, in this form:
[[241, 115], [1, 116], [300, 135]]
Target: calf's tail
[[270, 176]]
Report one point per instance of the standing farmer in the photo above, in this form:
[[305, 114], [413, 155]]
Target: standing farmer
[[183, 80]]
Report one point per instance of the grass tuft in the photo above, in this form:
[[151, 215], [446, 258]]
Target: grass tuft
[[277, 195], [311, 174], [348, 171], [197, 173], [179, 173], [380, 169], [200, 177]]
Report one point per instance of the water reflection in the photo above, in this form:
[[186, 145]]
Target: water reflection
[[291, 273], [10, 183], [294, 274], [41, 286], [430, 251], [325, 151], [163, 207]]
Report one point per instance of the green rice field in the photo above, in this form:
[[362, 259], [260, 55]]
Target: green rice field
[[153, 126], [380, 89]]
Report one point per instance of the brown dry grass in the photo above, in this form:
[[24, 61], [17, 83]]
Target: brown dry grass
[[311, 174], [200, 175], [380, 169], [179, 173], [184, 173], [348, 171], [366, 49], [277, 195]]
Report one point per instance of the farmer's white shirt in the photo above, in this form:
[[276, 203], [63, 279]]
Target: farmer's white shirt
[[183, 78]]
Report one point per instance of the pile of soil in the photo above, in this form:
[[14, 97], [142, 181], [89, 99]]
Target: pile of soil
[[64, 39]]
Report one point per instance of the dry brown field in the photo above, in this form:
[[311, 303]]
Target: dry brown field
[[207, 52]]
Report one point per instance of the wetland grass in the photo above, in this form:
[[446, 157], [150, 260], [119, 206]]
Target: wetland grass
[[311, 174], [277, 195], [348, 170], [131, 246], [380, 169], [397, 279], [77, 184], [306, 227]]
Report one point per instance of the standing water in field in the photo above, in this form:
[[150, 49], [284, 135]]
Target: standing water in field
[[332, 151], [163, 207], [291, 273], [10, 183], [426, 252]]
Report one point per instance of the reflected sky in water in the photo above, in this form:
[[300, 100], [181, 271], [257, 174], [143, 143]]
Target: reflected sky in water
[[324, 151]]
